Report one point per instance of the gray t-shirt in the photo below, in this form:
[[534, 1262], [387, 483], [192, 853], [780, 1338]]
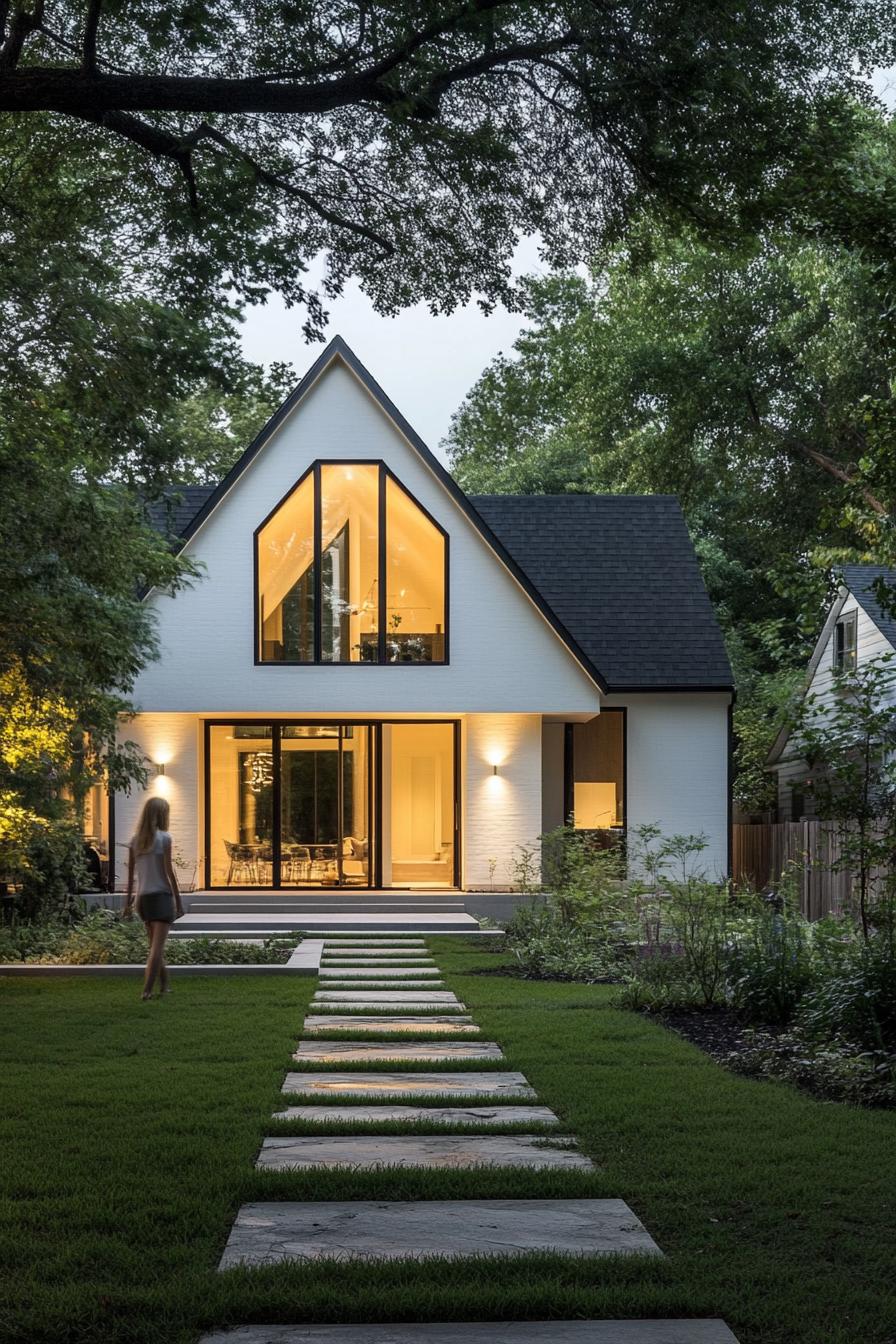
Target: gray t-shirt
[[149, 867]]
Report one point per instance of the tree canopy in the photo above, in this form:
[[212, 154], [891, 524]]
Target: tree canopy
[[412, 141], [753, 382]]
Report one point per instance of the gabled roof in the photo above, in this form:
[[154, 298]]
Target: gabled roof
[[621, 573], [859, 580], [616, 576]]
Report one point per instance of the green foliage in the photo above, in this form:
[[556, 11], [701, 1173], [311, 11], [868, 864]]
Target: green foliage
[[752, 380], [547, 946], [854, 1001], [101, 938], [106, 367], [584, 878], [832, 1071], [411, 142], [770, 963], [848, 741]]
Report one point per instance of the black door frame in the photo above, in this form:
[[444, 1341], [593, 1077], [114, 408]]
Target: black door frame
[[375, 791]]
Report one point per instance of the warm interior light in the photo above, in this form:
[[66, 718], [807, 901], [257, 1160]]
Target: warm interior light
[[160, 767]]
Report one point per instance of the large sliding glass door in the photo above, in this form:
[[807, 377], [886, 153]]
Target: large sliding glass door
[[289, 805], [299, 805]]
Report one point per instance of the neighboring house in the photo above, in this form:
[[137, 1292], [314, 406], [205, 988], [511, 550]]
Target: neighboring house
[[855, 632], [382, 682]]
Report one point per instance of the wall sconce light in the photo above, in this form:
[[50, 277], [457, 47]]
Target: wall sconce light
[[160, 768], [494, 769]]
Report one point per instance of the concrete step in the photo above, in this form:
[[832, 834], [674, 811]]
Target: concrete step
[[266, 925], [271, 1233], [386, 1026], [365, 1085], [475, 1117], [441, 1152], [422, 1052]]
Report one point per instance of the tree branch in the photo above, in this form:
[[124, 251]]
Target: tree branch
[[91, 24], [54, 89], [22, 26], [804, 450]]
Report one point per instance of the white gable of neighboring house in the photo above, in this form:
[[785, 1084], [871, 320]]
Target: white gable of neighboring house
[[504, 654], [871, 643]]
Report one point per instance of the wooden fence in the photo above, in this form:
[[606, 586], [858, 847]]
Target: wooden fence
[[761, 852]]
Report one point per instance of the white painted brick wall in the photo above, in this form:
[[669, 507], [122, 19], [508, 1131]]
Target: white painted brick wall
[[677, 767], [175, 737], [501, 811], [504, 656]]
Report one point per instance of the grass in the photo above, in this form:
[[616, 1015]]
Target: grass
[[129, 1133]]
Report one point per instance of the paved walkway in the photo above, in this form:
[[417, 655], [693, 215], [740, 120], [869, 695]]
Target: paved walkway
[[378, 988]]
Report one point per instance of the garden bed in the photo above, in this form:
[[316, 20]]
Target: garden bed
[[103, 938]]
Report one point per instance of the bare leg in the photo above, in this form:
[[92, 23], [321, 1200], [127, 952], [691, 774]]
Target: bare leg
[[157, 932]]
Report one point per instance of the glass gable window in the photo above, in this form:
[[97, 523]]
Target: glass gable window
[[286, 587], [350, 569]]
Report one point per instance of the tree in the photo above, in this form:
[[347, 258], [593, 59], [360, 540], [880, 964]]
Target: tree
[[101, 372], [849, 743], [413, 140], [737, 379]]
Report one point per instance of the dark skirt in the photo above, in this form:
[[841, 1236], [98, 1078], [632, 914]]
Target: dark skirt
[[157, 905]]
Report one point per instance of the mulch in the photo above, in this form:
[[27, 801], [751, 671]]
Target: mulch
[[720, 1032]]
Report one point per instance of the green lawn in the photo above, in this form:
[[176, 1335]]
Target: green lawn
[[129, 1132]]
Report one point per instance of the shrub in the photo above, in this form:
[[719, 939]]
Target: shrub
[[855, 1000], [546, 946], [770, 960], [659, 982], [832, 1071], [101, 938]]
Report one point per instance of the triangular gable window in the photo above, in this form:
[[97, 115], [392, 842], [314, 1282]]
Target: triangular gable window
[[350, 569]]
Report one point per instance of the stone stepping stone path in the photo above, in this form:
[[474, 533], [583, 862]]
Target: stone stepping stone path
[[364, 1052], [386, 996], [400, 1084], [384, 984], [384, 959], [490, 1332], [364, 1003], [423, 1150], [379, 973], [482, 1117], [268, 1233], [381, 944], [382, 1026]]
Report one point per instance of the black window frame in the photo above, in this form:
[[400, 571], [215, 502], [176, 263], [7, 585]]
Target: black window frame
[[381, 659], [569, 779], [845, 656]]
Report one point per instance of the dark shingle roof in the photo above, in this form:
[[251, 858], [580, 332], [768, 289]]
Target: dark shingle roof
[[860, 580], [620, 573], [179, 505]]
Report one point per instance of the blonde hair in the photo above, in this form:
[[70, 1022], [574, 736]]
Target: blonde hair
[[154, 817]]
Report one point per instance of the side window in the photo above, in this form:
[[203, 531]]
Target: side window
[[598, 772], [845, 643]]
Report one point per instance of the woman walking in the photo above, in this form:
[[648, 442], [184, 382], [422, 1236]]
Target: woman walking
[[158, 898]]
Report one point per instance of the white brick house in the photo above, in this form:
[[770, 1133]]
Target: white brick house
[[379, 682]]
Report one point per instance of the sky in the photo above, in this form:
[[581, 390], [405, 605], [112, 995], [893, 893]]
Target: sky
[[426, 364]]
